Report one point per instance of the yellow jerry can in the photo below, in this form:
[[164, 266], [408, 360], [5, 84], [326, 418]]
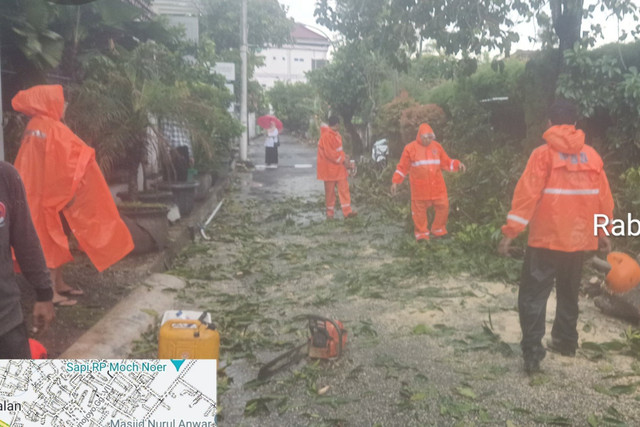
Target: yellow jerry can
[[188, 339]]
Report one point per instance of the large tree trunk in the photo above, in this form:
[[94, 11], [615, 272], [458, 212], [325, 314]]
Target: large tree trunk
[[538, 88], [566, 16], [355, 136]]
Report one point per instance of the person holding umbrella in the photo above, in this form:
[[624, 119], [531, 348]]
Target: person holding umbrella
[[271, 142]]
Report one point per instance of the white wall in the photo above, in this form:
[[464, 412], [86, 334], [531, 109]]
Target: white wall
[[288, 64]]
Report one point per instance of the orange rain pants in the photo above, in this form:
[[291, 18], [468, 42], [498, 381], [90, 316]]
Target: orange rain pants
[[343, 193], [420, 222]]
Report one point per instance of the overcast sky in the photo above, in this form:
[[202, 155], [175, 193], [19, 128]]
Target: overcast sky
[[302, 11]]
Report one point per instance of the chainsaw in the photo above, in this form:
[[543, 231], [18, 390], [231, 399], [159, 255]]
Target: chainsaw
[[622, 271], [327, 340]]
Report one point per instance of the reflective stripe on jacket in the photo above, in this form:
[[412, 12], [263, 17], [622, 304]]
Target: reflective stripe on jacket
[[562, 187], [330, 156], [424, 166]]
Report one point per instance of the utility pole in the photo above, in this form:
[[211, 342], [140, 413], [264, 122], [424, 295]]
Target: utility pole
[[243, 101]]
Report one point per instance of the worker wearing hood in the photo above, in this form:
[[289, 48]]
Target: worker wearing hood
[[60, 174], [424, 160], [332, 169], [561, 189]]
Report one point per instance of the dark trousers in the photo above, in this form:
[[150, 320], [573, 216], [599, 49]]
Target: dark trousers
[[15, 344], [271, 155], [541, 268]]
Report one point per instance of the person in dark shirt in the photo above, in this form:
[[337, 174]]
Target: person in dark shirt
[[17, 232]]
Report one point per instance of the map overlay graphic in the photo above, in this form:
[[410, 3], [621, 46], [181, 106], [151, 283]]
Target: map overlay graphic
[[112, 393]]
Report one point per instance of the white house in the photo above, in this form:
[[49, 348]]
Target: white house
[[289, 62]]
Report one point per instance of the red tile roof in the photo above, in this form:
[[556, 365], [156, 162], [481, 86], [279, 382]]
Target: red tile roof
[[301, 32]]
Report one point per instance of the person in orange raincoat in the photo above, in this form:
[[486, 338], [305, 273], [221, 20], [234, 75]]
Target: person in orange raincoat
[[563, 186], [332, 169], [424, 160], [61, 176]]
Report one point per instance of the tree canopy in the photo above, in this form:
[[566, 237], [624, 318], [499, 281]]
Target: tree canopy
[[267, 20], [29, 47], [344, 85], [395, 27], [293, 104]]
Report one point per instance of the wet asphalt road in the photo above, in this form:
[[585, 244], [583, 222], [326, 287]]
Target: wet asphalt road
[[295, 175]]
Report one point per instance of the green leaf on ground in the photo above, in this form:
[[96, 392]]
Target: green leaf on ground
[[616, 390], [422, 329], [553, 420], [611, 418], [260, 405], [466, 392]]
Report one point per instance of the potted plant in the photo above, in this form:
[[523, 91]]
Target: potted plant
[[203, 167], [117, 107], [212, 133], [147, 223], [210, 129], [112, 110]]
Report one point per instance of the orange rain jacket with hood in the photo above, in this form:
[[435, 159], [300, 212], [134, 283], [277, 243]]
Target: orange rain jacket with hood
[[60, 174], [424, 164], [562, 187], [331, 156]]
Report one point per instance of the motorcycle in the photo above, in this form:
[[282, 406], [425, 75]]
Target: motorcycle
[[379, 153]]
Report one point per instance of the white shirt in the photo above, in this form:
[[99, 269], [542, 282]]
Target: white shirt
[[272, 137]]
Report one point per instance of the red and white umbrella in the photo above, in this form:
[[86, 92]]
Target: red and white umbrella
[[265, 122]]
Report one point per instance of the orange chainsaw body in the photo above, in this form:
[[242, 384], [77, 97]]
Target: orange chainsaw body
[[328, 338], [624, 274]]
